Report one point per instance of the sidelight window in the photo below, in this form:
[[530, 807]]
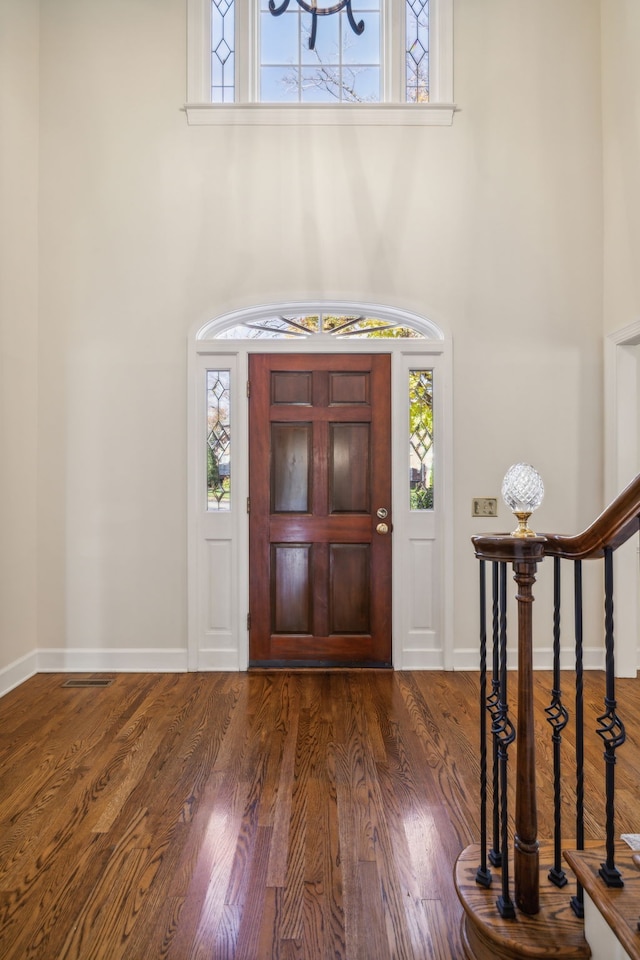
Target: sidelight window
[[421, 439], [218, 440]]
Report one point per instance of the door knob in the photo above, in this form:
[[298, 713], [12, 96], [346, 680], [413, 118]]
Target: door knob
[[382, 528]]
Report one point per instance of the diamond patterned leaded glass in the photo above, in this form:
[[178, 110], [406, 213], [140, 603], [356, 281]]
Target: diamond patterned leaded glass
[[421, 439], [222, 51], [218, 440], [417, 72]]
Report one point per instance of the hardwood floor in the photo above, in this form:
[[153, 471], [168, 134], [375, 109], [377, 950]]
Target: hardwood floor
[[297, 816]]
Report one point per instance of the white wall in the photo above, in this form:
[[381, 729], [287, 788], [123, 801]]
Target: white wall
[[18, 334], [491, 227], [621, 126]]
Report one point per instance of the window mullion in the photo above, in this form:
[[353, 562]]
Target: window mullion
[[247, 40], [393, 51]]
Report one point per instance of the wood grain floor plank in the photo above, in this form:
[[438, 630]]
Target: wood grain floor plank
[[255, 930], [283, 795], [371, 939]]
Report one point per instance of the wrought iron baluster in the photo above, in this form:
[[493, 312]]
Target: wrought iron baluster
[[577, 902], [611, 728], [495, 854], [483, 874], [557, 716], [504, 733]]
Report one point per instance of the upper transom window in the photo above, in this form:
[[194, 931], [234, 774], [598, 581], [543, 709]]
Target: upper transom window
[[370, 60]]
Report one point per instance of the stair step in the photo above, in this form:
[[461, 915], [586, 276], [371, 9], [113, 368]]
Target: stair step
[[620, 906], [553, 932]]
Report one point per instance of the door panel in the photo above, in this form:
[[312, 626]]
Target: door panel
[[349, 471], [290, 386], [320, 573], [349, 585], [290, 475], [291, 578]]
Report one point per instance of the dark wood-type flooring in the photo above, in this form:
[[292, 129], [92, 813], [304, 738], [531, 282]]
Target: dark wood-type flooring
[[304, 815]]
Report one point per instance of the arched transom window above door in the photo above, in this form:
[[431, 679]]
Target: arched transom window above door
[[315, 325]]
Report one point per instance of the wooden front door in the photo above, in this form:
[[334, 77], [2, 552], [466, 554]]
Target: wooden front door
[[320, 503]]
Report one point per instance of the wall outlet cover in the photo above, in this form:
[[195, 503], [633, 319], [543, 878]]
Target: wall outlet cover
[[484, 507]]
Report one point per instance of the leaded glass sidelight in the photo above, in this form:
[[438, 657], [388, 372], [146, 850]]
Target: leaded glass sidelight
[[218, 440], [421, 439], [417, 47], [222, 51]]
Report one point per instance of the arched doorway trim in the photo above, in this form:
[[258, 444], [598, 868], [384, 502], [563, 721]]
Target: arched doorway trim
[[220, 327]]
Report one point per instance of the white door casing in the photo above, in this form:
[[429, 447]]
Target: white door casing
[[218, 559]]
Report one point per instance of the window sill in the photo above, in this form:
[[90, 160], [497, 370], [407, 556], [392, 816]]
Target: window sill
[[321, 114]]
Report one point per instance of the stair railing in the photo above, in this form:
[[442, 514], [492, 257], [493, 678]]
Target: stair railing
[[619, 522]]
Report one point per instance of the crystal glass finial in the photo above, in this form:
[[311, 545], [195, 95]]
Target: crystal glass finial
[[523, 492]]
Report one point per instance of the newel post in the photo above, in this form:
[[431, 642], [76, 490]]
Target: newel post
[[526, 867], [524, 555]]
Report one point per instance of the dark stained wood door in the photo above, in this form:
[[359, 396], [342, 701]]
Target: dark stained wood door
[[320, 499]]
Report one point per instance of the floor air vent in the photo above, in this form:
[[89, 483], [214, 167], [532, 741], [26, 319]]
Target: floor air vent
[[88, 682]]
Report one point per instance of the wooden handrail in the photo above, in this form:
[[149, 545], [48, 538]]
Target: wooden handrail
[[614, 526]]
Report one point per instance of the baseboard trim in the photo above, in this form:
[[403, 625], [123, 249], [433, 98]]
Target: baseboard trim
[[593, 659], [219, 659], [117, 661], [421, 660], [17, 672]]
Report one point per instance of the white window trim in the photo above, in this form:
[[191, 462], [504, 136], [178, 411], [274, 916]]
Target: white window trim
[[201, 112]]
